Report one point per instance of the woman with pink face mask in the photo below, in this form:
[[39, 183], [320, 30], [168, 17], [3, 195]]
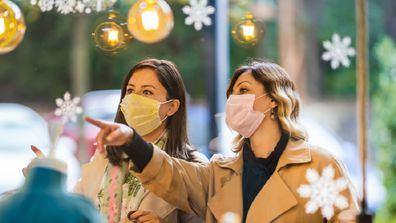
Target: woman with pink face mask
[[275, 176]]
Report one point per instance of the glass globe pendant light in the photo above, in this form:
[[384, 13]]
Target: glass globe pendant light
[[110, 34], [150, 21], [247, 32], [12, 26]]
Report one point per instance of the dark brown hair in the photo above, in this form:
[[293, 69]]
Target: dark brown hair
[[280, 88], [177, 144]]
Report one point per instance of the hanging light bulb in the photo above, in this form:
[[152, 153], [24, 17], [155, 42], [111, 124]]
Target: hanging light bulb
[[2, 25], [12, 26], [247, 32], [150, 21], [110, 34]]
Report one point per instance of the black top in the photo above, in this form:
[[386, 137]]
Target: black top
[[139, 152], [256, 171]]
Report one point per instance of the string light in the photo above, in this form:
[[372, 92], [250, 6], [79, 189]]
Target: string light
[[150, 21], [110, 34], [247, 32]]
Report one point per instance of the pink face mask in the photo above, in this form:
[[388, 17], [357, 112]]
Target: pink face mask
[[240, 115]]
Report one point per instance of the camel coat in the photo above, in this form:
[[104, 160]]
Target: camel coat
[[214, 189], [91, 178]]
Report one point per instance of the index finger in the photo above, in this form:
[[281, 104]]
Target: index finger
[[139, 213], [96, 122]]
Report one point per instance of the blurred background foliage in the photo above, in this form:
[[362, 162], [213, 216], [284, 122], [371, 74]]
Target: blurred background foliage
[[384, 130]]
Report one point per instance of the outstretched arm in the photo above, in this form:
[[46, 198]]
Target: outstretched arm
[[181, 183]]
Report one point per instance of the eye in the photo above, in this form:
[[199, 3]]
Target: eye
[[147, 93], [243, 90], [130, 91]]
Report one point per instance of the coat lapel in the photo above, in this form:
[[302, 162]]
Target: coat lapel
[[269, 204], [229, 197], [275, 198]]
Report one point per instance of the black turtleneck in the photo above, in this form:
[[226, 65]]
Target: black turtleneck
[[256, 171]]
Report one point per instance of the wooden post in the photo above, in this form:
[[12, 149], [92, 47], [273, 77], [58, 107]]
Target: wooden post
[[362, 70], [292, 42], [80, 73]]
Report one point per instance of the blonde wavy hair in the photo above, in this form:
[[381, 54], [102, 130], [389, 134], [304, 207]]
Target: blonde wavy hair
[[279, 87]]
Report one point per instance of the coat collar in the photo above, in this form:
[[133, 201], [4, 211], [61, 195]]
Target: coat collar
[[295, 152], [229, 197]]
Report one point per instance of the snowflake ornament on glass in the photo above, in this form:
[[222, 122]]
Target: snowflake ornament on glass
[[338, 51], [73, 6], [68, 108], [65, 6], [198, 13], [323, 192], [45, 5]]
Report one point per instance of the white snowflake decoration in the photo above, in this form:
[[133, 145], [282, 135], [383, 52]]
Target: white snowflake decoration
[[68, 108], [80, 7], [65, 6], [73, 6], [198, 13], [323, 192], [45, 5], [338, 51]]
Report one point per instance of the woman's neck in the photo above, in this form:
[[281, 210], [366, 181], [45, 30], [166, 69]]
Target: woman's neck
[[265, 139], [155, 135]]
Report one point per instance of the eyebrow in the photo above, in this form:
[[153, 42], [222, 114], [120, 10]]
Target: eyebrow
[[242, 83], [143, 86]]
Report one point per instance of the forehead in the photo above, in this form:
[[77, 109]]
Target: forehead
[[145, 76], [246, 77]]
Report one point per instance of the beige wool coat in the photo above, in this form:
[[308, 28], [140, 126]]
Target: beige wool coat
[[91, 178], [212, 190]]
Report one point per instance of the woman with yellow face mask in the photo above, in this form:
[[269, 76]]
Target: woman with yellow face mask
[[153, 103]]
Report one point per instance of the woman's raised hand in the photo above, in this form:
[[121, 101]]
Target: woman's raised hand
[[111, 133]]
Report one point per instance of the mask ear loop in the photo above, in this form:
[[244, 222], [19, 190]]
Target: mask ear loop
[[161, 103], [261, 96], [266, 111], [165, 102]]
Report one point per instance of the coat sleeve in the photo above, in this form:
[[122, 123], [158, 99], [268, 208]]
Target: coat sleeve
[[181, 183], [189, 218], [347, 215]]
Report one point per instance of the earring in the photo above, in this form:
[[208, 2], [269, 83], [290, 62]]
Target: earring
[[272, 113]]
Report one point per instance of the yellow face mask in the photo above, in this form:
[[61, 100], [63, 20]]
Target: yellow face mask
[[141, 113]]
